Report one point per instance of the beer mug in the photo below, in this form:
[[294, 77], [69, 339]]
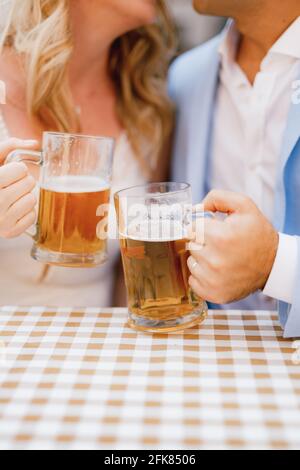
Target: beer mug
[[75, 179], [153, 221]]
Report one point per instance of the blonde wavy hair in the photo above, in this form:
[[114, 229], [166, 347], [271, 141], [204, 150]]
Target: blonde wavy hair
[[39, 31]]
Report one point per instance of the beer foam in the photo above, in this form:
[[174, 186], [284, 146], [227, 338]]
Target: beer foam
[[75, 184], [155, 231]]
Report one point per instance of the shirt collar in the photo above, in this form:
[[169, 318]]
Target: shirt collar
[[227, 50], [229, 43], [289, 43]]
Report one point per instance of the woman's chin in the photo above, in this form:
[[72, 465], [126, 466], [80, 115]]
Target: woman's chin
[[147, 12]]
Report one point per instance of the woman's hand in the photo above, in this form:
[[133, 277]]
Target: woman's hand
[[17, 202]]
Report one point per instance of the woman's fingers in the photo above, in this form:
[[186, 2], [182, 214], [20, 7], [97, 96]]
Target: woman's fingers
[[16, 182], [21, 208], [22, 225], [12, 144], [17, 190], [16, 199], [11, 173]]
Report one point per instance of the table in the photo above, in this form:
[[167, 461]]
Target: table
[[77, 379]]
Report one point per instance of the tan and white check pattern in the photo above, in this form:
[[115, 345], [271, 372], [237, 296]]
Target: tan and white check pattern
[[82, 379]]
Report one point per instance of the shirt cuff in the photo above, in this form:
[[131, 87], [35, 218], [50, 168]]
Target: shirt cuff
[[283, 276]]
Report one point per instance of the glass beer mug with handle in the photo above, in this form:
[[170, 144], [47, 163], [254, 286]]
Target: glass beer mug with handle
[[153, 221], [75, 179]]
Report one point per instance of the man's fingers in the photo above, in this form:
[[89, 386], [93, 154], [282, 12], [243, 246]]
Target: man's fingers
[[196, 248], [9, 145], [197, 287], [210, 231], [203, 258], [196, 269], [225, 201]]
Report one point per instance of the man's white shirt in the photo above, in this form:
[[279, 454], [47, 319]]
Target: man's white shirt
[[249, 126]]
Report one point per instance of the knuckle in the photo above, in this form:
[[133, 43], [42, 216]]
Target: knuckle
[[215, 264], [214, 193], [243, 200], [246, 201]]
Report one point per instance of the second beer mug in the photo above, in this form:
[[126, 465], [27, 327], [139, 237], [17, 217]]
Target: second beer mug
[[74, 185], [153, 221]]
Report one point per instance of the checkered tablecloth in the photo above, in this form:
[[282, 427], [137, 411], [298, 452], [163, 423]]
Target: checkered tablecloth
[[83, 379]]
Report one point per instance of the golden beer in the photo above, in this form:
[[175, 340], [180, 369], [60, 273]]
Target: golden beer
[[75, 178], [69, 216], [153, 221], [157, 274]]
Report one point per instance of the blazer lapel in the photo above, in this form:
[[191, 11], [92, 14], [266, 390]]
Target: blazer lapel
[[200, 128], [291, 137], [292, 134]]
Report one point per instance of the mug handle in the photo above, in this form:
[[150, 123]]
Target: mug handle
[[26, 156], [197, 214]]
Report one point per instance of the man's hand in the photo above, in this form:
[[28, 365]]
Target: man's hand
[[238, 254]]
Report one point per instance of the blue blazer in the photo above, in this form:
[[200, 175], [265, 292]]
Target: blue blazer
[[193, 83]]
